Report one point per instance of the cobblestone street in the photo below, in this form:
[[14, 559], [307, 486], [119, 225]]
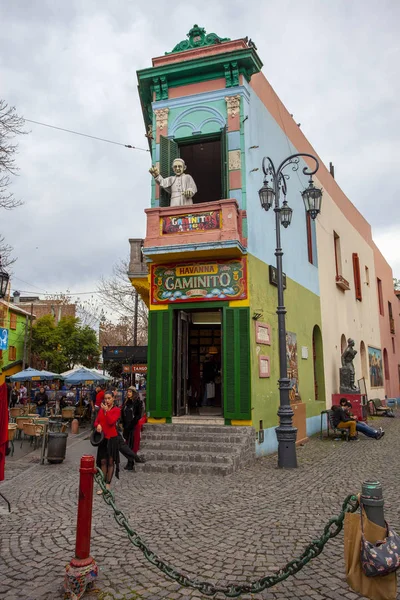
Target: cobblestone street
[[227, 529]]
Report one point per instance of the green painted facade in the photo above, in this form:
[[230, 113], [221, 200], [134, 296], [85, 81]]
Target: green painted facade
[[298, 301], [15, 339]]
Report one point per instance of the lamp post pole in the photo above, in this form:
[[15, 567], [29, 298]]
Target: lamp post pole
[[285, 432]]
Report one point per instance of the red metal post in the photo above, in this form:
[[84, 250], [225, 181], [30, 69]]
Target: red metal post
[[84, 520], [82, 570]]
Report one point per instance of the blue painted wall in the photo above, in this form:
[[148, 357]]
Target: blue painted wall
[[260, 129]]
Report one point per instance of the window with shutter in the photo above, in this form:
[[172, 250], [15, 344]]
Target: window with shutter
[[159, 390], [13, 320], [236, 369], [169, 151], [357, 277], [12, 353]]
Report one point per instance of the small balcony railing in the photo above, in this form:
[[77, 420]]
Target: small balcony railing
[[209, 224], [342, 283]]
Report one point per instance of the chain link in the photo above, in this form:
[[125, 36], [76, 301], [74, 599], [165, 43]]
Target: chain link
[[331, 530]]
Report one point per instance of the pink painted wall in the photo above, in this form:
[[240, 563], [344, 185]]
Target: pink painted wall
[[196, 88], [195, 53], [385, 274], [231, 224]]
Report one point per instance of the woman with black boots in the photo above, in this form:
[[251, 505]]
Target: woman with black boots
[[130, 414]]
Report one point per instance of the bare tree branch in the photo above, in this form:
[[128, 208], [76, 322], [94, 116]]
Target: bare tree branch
[[118, 295], [11, 125], [6, 253]]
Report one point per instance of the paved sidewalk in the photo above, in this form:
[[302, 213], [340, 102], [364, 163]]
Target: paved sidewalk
[[235, 529]]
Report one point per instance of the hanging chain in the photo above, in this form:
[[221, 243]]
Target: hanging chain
[[331, 530]]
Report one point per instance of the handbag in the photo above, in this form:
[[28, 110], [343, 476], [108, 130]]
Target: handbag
[[382, 557]]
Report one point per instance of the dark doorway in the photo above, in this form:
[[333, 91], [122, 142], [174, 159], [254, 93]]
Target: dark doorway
[[203, 161], [198, 359]]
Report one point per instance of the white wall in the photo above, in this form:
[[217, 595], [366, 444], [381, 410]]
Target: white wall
[[340, 311]]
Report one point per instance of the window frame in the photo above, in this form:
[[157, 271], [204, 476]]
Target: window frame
[[13, 320], [357, 276]]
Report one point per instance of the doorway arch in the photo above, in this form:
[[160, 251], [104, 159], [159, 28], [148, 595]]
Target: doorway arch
[[364, 363], [318, 365], [343, 344]]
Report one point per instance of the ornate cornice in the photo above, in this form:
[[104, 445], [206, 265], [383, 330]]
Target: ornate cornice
[[198, 38]]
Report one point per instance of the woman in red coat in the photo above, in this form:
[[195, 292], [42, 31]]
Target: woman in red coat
[[108, 449]]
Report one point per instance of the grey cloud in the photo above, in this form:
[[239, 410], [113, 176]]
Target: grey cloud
[[74, 64]]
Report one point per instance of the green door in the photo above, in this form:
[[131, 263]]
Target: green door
[[169, 151], [159, 387], [236, 371]]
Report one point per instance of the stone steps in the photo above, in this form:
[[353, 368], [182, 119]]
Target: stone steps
[[183, 448], [184, 456], [216, 446], [185, 468]]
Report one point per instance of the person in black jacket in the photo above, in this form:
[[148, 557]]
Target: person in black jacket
[[41, 400], [341, 420], [130, 414]]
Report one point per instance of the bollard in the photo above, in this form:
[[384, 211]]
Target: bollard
[[372, 500], [82, 570]]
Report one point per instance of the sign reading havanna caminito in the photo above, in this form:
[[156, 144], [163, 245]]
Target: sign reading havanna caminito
[[187, 223], [199, 281]]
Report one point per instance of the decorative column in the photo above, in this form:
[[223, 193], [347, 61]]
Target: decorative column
[[235, 154], [161, 129], [161, 122]]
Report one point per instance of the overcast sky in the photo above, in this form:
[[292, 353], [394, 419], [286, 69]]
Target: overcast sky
[[334, 64]]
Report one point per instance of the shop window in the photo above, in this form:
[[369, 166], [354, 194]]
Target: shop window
[[13, 320], [357, 276], [206, 159], [12, 353], [311, 240], [380, 296]]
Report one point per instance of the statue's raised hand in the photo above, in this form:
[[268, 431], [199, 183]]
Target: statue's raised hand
[[154, 171]]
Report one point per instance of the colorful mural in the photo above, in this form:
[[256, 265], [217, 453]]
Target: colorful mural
[[216, 280], [375, 367]]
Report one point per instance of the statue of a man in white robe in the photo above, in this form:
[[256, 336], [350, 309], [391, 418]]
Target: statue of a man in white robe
[[180, 186]]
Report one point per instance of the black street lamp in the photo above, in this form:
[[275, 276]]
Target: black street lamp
[[270, 195], [4, 279]]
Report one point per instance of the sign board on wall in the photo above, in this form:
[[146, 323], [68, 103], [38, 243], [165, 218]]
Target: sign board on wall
[[134, 369], [273, 277], [199, 281], [3, 339], [188, 223]]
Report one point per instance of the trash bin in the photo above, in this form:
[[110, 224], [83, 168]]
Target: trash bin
[[56, 447]]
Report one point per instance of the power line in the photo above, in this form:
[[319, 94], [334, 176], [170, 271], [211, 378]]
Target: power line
[[93, 137]]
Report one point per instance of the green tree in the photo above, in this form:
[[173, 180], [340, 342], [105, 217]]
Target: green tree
[[396, 283], [60, 347]]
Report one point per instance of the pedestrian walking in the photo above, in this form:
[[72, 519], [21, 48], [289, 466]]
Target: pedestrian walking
[[41, 399], [112, 443], [131, 412]]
